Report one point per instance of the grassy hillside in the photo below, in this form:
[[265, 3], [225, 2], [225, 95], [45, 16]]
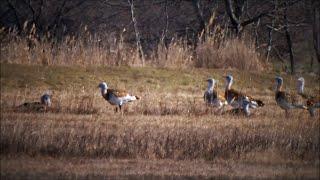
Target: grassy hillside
[[169, 125], [62, 77]]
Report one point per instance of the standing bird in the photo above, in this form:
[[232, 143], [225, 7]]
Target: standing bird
[[211, 96], [44, 104], [239, 100], [285, 100], [312, 101], [116, 97]]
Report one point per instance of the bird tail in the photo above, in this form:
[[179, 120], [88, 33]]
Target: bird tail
[[300, 106], [259, 102], [256, 103], [312, 108], [137, 97]]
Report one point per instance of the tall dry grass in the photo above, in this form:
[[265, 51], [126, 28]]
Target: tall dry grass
[[218, 52], [178, 54], [181, 129], [86, 49], [138, 136]]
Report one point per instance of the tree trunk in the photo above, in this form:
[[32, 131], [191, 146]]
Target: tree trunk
[[234, 20], [289, 41], [138, 38], [201, 29], [256, 33], [269, 43], [316, 33]]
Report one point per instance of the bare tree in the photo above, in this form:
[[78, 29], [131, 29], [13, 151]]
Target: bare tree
[[199, 13], [289, 40], [235, 15], [316, 29], [138, 38]]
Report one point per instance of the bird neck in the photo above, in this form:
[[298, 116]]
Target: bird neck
[[210, 87], [103, 91], [228, 85], [300, 88], [279, 87]]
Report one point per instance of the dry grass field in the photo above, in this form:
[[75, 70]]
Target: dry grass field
[[168, 134]]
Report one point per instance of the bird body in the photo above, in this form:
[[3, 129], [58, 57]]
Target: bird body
[[240, 100], [45, 102], [116, 97], [312, 101], [286, 100]]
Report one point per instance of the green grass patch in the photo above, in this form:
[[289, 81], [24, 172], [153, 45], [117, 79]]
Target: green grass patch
[[19, 76]]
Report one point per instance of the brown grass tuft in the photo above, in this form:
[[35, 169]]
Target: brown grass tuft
[[230, 53], [86, 49]]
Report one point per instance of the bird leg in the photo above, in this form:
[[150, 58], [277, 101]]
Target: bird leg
[[120, 110], [287, 113], [312, 111]]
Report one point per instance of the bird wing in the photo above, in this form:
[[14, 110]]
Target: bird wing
[[288, 97], [209, 97], [306, 96], [232, 94], [255, 102], [310, 99], [313, 101], [221, 97], [118, 92], [31, 106]]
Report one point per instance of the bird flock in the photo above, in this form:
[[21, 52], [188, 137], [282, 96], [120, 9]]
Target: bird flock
[[240, 102]]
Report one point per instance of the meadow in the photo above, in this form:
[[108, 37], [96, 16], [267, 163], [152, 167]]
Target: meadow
[[169, 133]]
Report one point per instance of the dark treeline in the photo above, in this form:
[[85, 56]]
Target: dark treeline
[[286, 30]]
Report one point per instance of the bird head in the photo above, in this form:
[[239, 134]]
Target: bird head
[[46, 99], [229, 81], [279, 82], [229, 78], [103, 86]]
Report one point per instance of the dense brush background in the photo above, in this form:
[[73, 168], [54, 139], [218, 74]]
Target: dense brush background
[[173, 33]]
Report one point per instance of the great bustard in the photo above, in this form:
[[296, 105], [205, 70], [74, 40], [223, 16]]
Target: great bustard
[[312, 101], [212, 97], [43, 105], [286, 100], [115, 96], [240, 100]]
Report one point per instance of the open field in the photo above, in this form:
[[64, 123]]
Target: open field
[[169, 133]]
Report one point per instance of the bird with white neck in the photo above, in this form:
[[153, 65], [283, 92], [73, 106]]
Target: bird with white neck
[[312, 101], [43, 105], [285, 100], [240, 100], [116, 97], [211, 96]]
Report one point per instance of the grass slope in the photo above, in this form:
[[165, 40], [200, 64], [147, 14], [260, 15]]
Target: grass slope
[[170, 123]]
